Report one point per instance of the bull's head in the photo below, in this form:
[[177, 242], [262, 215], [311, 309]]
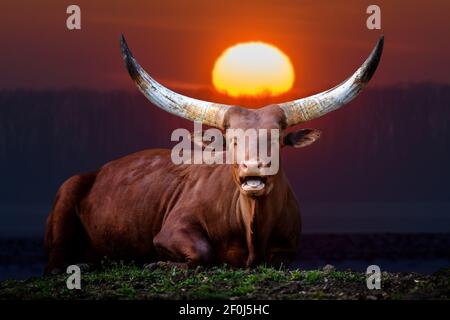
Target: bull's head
[[250, 174]]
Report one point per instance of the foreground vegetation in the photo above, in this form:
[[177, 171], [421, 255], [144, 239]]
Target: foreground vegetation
[[119, 281]]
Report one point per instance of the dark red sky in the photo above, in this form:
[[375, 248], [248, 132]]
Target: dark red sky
[[178, 41]]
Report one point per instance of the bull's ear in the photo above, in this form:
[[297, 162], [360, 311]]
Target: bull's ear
[[301, 138]]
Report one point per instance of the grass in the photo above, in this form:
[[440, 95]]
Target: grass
[[120, 281]]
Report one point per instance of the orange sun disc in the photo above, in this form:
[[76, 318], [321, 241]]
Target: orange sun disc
[[253, 69]]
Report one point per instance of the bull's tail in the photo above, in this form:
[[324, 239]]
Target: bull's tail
[[65, 237]]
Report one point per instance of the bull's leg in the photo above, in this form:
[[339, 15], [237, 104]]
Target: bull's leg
[[65, 237], [183, 245]]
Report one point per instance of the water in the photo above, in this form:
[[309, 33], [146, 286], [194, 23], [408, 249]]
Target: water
[[23, 220], [21, 271], [370, 217]]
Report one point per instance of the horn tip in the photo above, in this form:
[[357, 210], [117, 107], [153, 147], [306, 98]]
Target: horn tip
[[126, 53], [381, 40], [379, 46], [130, 64], [123, 42]]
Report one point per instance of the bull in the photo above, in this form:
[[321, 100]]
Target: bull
[[145, 208]]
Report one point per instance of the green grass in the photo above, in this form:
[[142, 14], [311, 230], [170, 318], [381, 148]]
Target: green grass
[[120, 281]]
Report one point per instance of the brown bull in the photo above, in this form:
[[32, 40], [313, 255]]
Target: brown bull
[[143, 207]]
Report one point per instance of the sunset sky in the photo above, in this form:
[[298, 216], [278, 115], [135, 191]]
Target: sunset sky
[[178, 41]]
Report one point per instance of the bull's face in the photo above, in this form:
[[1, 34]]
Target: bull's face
[[256, 158]]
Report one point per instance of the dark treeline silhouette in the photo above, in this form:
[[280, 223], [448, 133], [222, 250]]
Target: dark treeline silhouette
[[390, 144]]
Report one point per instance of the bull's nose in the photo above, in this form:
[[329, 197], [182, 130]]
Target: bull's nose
[[250, 167]]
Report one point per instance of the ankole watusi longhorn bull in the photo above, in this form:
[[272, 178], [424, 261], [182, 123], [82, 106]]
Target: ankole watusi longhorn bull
[[143, 207]]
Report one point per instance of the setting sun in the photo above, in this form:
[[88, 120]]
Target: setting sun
[[253, 69]]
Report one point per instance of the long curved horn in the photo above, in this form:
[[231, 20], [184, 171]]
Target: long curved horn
[[315, 106], [208, 113]]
